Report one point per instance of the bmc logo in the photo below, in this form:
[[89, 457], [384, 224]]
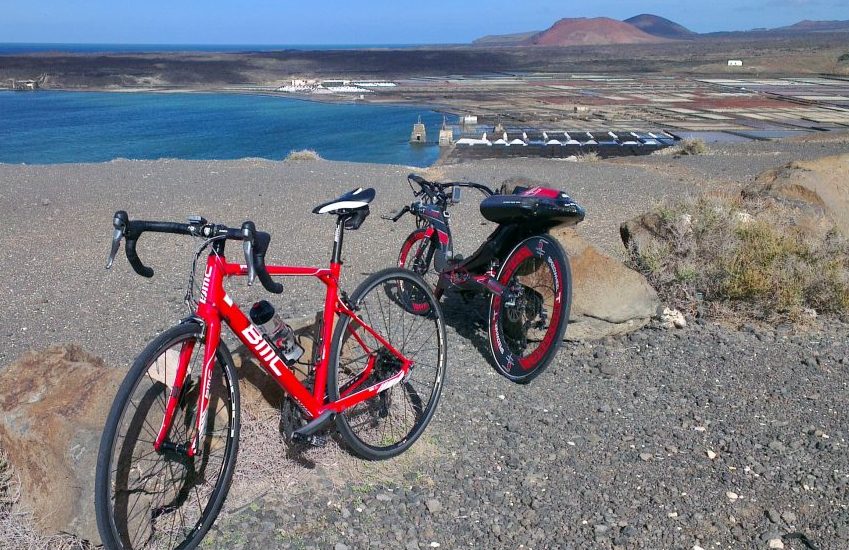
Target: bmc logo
[[204, 289], [262, 348]]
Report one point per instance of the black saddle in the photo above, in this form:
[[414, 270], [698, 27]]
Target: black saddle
[[353, 205]]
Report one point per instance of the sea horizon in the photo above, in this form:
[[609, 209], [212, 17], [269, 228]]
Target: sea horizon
[[12, 48]]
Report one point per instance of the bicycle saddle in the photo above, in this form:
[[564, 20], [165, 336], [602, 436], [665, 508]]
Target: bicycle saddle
[[347, 203], [353, 205]]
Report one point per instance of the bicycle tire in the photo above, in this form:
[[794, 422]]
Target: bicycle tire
[[389, 423], [124, 481], [419, 244], [508, 328]]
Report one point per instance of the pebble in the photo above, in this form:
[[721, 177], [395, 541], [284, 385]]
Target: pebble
[[776, 543], [732, 496], [789, 517], [710, 454], [433, 506], [777, 446], [645, 457]]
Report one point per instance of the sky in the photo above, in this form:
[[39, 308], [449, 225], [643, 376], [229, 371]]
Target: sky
[[364, 22]]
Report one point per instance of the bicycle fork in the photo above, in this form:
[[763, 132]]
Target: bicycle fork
[[190, 449]]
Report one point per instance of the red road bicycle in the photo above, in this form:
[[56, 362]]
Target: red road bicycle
[[169, 446]]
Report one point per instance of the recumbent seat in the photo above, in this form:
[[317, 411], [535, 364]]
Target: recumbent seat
[[353, 205]]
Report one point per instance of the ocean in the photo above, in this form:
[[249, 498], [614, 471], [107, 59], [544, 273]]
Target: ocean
[[48, 127], [17, 48]]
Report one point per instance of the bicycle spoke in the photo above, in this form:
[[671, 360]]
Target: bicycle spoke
[[159, 498]]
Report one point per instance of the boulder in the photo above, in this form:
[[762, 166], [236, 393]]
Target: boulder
[[638, 232], [53, 405], [608, 298], [819, 186]]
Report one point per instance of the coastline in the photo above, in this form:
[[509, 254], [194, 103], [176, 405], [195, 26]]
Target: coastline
[[332, 99]]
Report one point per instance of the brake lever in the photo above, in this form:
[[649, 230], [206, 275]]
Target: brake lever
[[398, 216], [119, 222], [116, 244], [248, 248]]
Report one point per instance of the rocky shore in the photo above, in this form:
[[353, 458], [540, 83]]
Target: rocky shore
[[705, 437]]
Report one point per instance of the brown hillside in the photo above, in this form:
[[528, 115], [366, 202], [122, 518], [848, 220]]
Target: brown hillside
[[597, 31], [660, 26]]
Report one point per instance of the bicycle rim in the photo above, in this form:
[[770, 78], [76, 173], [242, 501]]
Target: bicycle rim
[[149, 499], [526, 330], [387, 424]]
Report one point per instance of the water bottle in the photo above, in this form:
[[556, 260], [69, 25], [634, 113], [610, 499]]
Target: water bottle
[[279, 334]]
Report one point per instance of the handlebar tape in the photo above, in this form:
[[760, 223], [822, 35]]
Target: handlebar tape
[[134, 260], [261, 242], [134, 229]]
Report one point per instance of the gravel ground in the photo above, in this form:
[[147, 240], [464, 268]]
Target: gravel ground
[[702, 437], [707, 437]]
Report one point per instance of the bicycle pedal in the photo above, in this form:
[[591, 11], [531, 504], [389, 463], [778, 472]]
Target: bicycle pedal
[[315, 440]]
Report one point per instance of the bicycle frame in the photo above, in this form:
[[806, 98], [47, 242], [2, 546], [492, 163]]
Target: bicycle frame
[[216, 307], [437, 230]]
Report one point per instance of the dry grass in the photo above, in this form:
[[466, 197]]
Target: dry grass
[[691, 147], [17, 528], [303, 154], [591, 156], [266, 465], [761, 260]]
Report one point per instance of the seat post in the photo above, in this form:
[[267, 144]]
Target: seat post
[[337, 241]]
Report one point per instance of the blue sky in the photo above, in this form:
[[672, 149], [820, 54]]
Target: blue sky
[[364, 22]]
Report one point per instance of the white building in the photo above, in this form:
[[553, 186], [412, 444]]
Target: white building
[[735, 62]]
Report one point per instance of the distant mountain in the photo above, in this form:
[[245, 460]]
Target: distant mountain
[[816, 26], [504, 39], [641, 29], [660, 26], [590, 32]]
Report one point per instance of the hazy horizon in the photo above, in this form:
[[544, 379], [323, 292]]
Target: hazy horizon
[[378, 22]]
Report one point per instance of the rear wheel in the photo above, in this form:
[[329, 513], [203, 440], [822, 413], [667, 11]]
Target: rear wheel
[[166, 499], [527, 323], [390, 422]]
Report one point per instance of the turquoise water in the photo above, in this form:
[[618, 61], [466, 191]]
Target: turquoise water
[[52, 127]]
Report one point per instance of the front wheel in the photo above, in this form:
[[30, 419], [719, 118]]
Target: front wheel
[[146, 498], [387, 424], [417, 255], [527, 323]]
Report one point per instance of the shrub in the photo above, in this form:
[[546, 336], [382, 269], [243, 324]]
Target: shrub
[[722, 254], [692, 147], [843, 58], [303, 154]]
